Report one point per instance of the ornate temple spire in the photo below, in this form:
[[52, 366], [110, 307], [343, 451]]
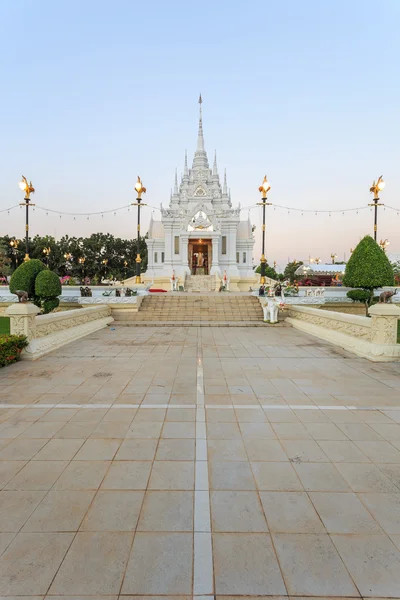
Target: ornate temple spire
[[185, 170], [176, 191], [215, 168], [225, 188], [200, 160]]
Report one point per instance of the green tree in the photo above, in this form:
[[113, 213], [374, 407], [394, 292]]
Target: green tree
[[368, 268], [269, 272], [290, 270], [5, 260]]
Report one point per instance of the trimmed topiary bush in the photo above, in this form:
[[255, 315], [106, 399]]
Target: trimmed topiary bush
[[359, 295], [47, 290], [24, 277], [11, 347], [47, 284], [368, 268]]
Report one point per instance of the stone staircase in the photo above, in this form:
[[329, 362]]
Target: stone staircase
[[200, 283], [187, 309]]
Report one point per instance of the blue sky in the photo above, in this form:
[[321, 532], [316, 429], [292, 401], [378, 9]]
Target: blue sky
[[94, 93]]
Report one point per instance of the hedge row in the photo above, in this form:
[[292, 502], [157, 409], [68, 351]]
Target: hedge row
[[11, 347]]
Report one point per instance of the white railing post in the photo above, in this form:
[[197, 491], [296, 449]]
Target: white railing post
[[23, 319], [384, 323]]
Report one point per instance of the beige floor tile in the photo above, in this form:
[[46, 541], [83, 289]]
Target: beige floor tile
[[385, 508], [311, 566], [98, 449], [257, 430], [8, 470], [82, 475], [110, 429], [37, 475], [276, 476], [76, 430], [231, 476], [127, 475], [181, 414], [321, 477], [136, 449], [373, 416], [221, 450], [153, 415], [178, 430], [392, 472], [237, 512], [275, 415], [303, 451], [373, 562], [395, 539], [160, 563], [172, 475], [114, 511], [381, 452], [176, 449], [83, 572], [343, 513], [144, 430], [365, 478], [220, 415], [223, 431], [22, 449], [16, 508], [167, 511], [360, 432], [5, 541], [42, 429], [389, 431], [246, 564], [59, 450], [90, 415], [290, 512], [325, 431], [59, 512], [250, 415], [265, 450], [291, 431], [343, 452], [312, 416], [119, 415], [30, 562]]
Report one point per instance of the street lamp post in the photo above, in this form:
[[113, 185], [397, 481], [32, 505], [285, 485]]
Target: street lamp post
[[377, 186], [139, 190], [28, 189], [14, 248], [46, 252], [264, 189], [81, 261]]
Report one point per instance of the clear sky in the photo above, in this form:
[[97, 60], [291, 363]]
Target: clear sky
[[94, 93]]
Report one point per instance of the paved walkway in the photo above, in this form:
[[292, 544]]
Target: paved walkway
[[199, 463]]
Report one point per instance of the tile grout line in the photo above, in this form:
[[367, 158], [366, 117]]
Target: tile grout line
[[203, 572]]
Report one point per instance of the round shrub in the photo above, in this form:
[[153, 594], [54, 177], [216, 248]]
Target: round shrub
[[359, 295], [50, 304], [368, 267], [47, 284], [24, 276]]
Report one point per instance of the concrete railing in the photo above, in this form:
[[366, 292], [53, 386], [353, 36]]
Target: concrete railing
[[49, 332], [374, 338]]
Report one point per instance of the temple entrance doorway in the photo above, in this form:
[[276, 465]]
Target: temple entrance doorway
[[200, 252]]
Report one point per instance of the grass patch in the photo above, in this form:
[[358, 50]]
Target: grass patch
[[4, 325]]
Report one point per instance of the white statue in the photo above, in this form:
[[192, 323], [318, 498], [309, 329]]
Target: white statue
[[174, 282]]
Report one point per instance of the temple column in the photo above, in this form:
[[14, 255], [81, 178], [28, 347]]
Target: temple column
[[185, 254], [233, 270], [168, 248], [215, 269]]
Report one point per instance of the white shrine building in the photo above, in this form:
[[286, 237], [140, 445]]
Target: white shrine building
[[200, 233]]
